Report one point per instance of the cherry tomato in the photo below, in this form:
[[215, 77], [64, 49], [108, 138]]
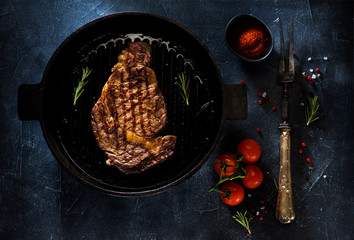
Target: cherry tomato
[[225, 159], [250, 149], [235, 193], [253, 178]]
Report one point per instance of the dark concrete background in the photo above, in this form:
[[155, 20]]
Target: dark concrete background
[[40, 200]]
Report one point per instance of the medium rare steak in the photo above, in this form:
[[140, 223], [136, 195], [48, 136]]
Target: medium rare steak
[[130, 114]]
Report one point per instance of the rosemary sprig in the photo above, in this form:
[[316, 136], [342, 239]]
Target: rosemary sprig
[[312, 110], [184, 86], [275, 183], [80, 86], [242, 219], [205, 105]]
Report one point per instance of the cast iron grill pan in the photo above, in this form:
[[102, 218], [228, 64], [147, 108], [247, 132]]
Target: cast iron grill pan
[[67, 128]]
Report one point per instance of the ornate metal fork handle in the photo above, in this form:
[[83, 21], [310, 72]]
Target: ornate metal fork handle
[[285, 212]]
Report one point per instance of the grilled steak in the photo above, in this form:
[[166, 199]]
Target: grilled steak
[[127, 118]]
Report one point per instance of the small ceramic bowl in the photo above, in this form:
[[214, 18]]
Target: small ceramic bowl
[[249, 38]]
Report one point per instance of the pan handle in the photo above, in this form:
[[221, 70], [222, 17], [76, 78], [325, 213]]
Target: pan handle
[[235, 101], [30, 101]]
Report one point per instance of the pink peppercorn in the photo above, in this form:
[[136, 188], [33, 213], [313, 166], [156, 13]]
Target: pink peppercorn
[[261, 218], [300, 151], [260, 102], [273, 109], [243, 82], [303, 144], [317, 69], [309, 77], [258, 130], [308, 160]]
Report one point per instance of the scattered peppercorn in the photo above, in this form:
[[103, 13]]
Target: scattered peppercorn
[[303, 144], [308, 160], [273, 109], [258, 130], [300, 151], [260, 102], [261, 218], [309, 77], [317, 69], [243, 82]]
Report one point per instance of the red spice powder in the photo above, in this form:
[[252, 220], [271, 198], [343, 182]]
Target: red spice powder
[[251, 41]]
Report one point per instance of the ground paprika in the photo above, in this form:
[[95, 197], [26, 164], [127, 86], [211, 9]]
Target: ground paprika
[[251, 40]]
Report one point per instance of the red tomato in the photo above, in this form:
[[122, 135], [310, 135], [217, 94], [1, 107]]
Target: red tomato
[[235, 193], [225, 159], [253, 178], [250, 150]]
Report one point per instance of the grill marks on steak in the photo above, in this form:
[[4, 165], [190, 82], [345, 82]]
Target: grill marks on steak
[[130, 113]]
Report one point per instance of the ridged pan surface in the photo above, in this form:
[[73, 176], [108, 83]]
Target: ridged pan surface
[[97, 45]]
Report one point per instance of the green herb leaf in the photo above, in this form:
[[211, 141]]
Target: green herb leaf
[[205, 105], [184, 87], [312, 110], [275, 183], [242, 219], [81, 84]]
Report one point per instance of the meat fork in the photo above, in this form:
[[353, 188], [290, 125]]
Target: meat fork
[[285, 212]]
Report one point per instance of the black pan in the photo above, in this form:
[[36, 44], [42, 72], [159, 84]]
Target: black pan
[[67, 128]]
